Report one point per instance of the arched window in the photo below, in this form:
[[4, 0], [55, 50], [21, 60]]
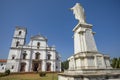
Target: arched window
[[56, 67], [49, 56], [37, 55], [17, 43], [57, 58], [22, 67], [38, 45], [2, 64], [12, 67], [24, 55], [2, 67], [13, 57], [19, 32], [48, 66]]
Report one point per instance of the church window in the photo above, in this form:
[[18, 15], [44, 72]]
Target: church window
[[48, 65], [24, 55], [19, 32], [12, 67], [38, 45], [17, 43], [1, 64], [37, 55], [57, 58], [56, 67], [2, 67], [49, 56], [13, 57]]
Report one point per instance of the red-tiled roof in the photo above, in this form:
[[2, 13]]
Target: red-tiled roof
[[3, 60]]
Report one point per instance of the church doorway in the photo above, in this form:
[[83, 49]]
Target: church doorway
[[36, 65], [22, 67], [48, 66]]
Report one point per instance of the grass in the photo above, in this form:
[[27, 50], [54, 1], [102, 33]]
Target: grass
[[35, 76]]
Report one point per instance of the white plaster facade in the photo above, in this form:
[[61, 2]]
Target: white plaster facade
[[34, 56], [2, 65]]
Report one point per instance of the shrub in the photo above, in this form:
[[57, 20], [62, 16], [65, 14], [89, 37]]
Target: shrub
[[7, 72], [42, 74], [3, 74]]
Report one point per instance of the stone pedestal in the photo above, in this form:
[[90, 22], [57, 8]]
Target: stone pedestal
[[86, 55]]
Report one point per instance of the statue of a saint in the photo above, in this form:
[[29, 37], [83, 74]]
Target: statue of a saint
[[78, 11]]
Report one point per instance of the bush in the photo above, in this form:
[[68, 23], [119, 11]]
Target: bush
[[42, 74], [3, 74], [7, 72]]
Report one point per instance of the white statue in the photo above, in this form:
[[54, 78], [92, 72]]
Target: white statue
[[78, 11]]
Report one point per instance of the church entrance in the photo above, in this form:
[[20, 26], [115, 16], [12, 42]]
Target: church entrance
[[36, 65], [48, 66], [22, 67]]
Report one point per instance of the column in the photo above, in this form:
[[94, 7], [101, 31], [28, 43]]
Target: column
[[95, 61], [103, 62], [43, 65]]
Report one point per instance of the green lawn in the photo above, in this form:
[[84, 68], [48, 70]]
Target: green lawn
[[35, 76]]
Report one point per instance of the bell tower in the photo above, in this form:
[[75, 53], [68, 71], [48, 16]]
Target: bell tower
[[19, 37], [17, 44]]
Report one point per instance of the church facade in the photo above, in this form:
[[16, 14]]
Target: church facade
[[34, 56]]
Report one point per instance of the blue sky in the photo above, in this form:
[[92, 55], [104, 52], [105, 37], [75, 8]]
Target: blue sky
[[53, 19]]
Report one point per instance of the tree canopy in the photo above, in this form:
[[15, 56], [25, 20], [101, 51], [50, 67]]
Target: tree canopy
[[115, 62], [65, 65]]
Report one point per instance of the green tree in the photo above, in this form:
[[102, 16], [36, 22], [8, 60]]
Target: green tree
[[115, 62], [65, 65], [119, 62]]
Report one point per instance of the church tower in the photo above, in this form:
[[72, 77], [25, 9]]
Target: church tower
[[18, 42], [19, 37]]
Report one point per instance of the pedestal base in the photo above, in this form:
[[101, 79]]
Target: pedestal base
[[109, 74], [89, 60]]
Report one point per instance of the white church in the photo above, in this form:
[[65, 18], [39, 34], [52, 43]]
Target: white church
[[34, 56]]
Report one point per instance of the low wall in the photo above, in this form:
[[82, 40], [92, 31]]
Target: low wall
[[101, 74]]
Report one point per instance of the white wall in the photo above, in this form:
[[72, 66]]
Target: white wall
[[2, 66]]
